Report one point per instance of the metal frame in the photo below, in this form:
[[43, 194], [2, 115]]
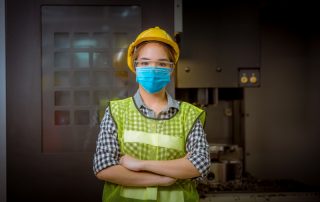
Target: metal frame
[[178, 20], [3, 160]]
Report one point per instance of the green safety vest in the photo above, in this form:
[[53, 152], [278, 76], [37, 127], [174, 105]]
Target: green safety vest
[[153, 139]]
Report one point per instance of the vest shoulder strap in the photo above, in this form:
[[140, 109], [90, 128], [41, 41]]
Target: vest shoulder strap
[[191, 110], [119, 107]]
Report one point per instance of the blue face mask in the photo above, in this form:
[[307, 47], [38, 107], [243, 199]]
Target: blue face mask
[[153, 79]]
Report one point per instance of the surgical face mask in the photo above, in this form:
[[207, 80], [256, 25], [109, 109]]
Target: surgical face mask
[[153, 79]]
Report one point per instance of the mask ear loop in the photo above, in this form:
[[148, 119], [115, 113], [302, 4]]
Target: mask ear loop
[[135, 66], [134, 62], [172, 69]]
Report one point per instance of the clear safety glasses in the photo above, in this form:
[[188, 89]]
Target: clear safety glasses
[[153, 63]]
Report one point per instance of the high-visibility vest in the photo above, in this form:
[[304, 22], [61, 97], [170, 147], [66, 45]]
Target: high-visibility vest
[[148, 138]]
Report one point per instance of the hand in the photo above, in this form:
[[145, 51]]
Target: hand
[[167, 181], [131, 163]]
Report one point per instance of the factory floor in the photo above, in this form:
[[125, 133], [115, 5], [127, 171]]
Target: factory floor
[[263, 197]]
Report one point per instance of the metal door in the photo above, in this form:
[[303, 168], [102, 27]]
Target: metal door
[[64, 61]]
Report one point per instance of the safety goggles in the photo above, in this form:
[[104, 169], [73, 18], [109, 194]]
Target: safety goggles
[[153, 63]]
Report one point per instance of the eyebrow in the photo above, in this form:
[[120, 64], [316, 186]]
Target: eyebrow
[[144, 59], [164, 59]]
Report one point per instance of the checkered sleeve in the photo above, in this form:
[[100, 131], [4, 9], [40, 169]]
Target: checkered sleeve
[[198, 149], [107, 147]]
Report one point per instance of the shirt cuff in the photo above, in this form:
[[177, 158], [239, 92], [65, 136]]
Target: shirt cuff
[[103, 163], [201, 163]]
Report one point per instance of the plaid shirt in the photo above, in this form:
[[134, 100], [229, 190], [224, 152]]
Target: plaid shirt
[[108, 150]]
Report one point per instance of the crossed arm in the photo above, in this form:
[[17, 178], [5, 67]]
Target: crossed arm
[[120, 175], [134, 172], [179, 168]]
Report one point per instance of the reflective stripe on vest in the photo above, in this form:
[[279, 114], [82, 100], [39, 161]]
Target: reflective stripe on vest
[[154, 139], [141, 193], [151, 193]]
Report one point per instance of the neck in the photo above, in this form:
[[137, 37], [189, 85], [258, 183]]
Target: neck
[[156, 101]]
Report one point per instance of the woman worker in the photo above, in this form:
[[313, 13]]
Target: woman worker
[[151, 147]]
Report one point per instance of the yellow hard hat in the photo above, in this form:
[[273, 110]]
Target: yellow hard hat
[[152, 34]]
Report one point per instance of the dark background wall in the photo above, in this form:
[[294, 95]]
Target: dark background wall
[[282, 122]]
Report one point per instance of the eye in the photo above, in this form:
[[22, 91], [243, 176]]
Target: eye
[[144, 63], [163, 64]]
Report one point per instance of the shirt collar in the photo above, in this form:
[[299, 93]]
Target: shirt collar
[[172, 103]]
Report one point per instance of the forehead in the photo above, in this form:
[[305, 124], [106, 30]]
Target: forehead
[[153, 49]]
